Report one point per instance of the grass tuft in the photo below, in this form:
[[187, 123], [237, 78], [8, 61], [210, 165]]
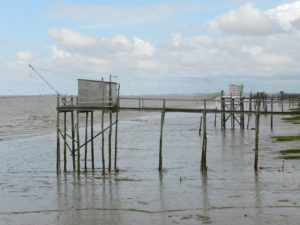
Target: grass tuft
[[290, 151], [287, 157], [290, 154], [287, 138]]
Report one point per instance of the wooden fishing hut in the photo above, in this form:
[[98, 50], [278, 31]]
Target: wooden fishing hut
[[233, 103], [92, 96]]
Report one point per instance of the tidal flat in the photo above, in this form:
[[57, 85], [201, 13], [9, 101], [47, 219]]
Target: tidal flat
[[230, 193]]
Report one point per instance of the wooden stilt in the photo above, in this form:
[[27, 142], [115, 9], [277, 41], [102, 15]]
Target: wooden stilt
[[73, 140], [200, 127], [266, 103], [116, 129], [215, 121], [103, 155], [242, 116], [65, 141], [257, 132], [248, 120], [161, 136], [78, 142], [86, 138], [204, 142], [223, 119], [58, 171], [92, 140], [272, 112], [250, 102], [232, 112], [110, 126], [109, 142]]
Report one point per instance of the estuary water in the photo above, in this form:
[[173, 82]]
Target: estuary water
[[230, 193]]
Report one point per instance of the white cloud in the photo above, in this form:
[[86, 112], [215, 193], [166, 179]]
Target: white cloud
[[24, 55], [142, 47], [120, 41], [59, 53], [71, 38], [176, 39], [285, 14], [247, 20], [260, 51]]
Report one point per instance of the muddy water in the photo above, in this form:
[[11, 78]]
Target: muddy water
[[230, 193]]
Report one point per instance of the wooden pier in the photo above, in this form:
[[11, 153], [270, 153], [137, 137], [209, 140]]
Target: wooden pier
[[230, 108]]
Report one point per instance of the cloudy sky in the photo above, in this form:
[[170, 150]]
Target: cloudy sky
[[153, 47]]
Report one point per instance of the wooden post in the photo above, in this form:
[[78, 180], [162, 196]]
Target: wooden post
[[78, 142], [248, 120], [110, 126], [116, 129], [250, 110], [272, 112], [232, 111], [257, 132], [103, 155], [215, 121], [57, 139], [161, 135], [250, 102], [200, 127], [204, 142], [86, 138], [223, 119], [266, 102], [102, 127], [65, 141], [92, 141], [110, 142], [73, 140], [242, 116]]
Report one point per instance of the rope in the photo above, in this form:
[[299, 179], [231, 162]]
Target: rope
[[44, 79]]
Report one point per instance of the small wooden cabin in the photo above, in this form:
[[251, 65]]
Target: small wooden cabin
[[97, 93]]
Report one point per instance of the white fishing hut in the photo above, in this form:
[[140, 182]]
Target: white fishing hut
[[236, 90], [97, 93]]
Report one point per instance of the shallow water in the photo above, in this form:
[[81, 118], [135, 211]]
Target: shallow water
[[230, 193]]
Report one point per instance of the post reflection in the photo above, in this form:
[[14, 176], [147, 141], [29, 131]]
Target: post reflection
[[88, 199], [205, 202]]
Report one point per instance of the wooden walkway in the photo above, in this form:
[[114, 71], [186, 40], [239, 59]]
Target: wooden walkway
[[229, 107]]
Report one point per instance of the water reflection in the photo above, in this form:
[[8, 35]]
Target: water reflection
[[87, 199], [206, 204], [258, 195]]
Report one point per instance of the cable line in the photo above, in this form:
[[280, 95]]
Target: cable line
[[44, 79]]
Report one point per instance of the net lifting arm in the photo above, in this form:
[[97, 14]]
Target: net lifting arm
[[44, 79]]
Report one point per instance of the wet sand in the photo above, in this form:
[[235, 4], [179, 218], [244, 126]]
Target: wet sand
[[230, 193]]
